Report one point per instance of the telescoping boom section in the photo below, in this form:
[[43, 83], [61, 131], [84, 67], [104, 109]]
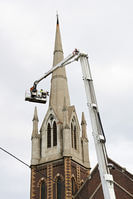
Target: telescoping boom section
[[33, 95], [97, 129]]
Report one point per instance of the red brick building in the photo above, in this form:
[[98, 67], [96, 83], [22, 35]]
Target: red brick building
[[92, 188]]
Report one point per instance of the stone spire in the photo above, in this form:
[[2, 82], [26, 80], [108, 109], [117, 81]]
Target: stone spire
[[59, 87], [83, 125]]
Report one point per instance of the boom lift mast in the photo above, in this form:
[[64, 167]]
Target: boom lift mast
[[98, 133]]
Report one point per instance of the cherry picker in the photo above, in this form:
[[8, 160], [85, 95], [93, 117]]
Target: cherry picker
[[97, 128]]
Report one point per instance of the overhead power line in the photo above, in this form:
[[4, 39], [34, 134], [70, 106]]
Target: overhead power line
[[14, 157], [26, 164]]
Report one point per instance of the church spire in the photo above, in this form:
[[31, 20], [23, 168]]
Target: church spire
[[59, 87]]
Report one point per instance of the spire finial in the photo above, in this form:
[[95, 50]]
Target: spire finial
[[57, 17]]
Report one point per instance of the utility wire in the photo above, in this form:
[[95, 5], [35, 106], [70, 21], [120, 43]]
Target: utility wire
[[14, 157], [26, 164]]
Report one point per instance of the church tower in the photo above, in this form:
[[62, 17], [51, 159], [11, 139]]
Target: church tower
[[60, 159]]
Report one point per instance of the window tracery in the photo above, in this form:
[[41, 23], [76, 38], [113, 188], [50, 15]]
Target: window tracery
[[73, 134], [59, 189], [43, 190], [75, 138], [74, 186], [48, 136], [43, 187], [54, 134]]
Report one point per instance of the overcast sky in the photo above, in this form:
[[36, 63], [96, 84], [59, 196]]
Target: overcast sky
[[104, 30]]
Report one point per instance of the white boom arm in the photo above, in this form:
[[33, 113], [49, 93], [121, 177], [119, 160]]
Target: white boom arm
[[64, 62], [98, 133]]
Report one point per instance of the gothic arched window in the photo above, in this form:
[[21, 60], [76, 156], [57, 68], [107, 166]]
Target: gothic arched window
[[75, 138], [59, 188], [72, 135], [74, 186], [43, 190], [54, 134], [48, 136]]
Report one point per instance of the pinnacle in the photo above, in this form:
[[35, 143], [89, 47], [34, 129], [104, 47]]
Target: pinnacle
[[83, 124], [35, 123], [83, 121], [35, 117]]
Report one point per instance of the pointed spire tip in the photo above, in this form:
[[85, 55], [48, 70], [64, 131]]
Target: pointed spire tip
[[57, 18], [83, 121]]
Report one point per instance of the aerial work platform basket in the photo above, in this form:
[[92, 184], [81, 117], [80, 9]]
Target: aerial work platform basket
[[38, 96]]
